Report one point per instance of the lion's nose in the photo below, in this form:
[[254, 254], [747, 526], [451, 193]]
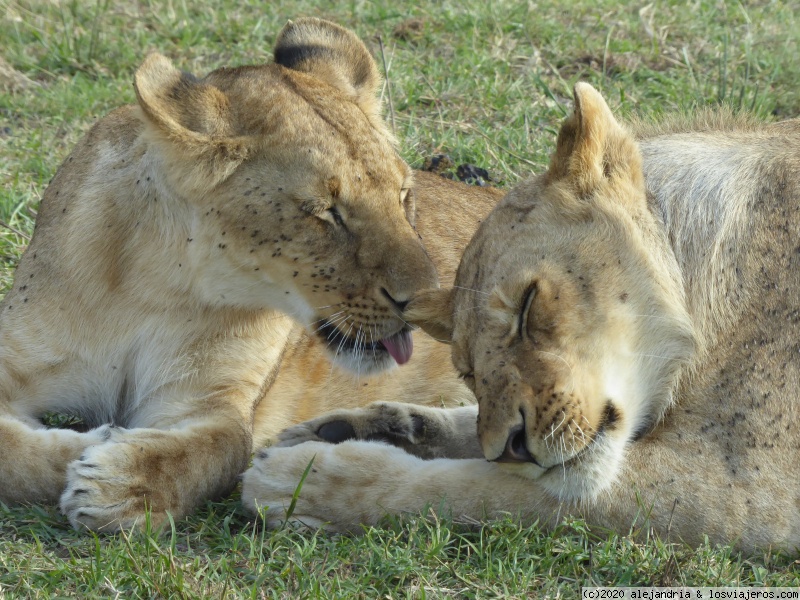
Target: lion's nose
[[516, 449]]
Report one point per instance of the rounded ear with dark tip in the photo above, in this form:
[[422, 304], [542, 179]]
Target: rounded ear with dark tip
[[334, 55], [432, 311], [192, 121]]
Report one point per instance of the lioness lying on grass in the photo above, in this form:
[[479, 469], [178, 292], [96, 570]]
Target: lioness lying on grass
[[634, 349], [178, 253]]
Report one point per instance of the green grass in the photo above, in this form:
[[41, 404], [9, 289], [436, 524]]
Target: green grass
[[220, 552], [487, 83]]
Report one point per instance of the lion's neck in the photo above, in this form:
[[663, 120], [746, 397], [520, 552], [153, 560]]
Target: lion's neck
[[697, 184]]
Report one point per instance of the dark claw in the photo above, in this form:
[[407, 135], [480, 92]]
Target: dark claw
[[336, 431]]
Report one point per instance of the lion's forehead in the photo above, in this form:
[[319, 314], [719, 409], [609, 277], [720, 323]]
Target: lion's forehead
[[522, 241], [475, 322], [497, 255], [504, 260], [286, 110]]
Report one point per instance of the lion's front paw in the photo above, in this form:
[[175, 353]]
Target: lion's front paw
[[277, 476], [345, 485], [394, 423], [106, 489]]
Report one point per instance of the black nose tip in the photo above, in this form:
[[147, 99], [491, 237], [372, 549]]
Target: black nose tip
[[398, 304], [516, 450]]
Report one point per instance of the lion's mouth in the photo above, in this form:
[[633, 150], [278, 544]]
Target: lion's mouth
[[399, 346]]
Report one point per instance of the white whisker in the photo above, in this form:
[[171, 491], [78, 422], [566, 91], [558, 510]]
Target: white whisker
[[662, 357], [326, 321], [336, 318]]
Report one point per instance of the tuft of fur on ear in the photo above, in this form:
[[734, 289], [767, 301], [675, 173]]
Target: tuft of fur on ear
[[192, 122], [432, 311], [334, 55], [592, 146]]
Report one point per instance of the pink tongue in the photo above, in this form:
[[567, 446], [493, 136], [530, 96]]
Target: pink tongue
[[399, 346]]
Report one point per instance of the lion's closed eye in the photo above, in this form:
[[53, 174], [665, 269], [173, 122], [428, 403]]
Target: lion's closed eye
[[527, 300]]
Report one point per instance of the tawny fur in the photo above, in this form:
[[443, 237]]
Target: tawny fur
[[178, 253], [308, 385], [633, 347]]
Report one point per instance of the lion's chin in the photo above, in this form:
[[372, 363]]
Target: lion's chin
[[363, 362], [583, 477], [363, 357], [593, 472]]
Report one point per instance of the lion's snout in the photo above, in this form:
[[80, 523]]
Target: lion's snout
[[546, 429], [516, 450]]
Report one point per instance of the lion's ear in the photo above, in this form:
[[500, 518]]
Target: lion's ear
[[592, 146], [334, 55], [432, 310], [191, 119]]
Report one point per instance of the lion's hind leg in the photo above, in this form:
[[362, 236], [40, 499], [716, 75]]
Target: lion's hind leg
[[34, 461]]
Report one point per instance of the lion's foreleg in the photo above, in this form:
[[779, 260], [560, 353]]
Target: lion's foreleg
[[114, 484], [423, 431], [358, 483], [33, 464]]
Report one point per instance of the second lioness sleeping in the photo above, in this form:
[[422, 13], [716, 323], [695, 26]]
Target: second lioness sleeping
[[632, 347]]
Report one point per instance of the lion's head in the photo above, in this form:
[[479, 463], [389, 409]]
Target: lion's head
[[568, 319], [295, 193]]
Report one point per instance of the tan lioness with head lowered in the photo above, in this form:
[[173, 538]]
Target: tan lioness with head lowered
[[169, 250], [633, 349]]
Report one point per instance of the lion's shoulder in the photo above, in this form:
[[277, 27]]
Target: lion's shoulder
[[108, 139]]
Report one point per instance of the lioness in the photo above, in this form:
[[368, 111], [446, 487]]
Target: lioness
[[633, 349], [174, 253]]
